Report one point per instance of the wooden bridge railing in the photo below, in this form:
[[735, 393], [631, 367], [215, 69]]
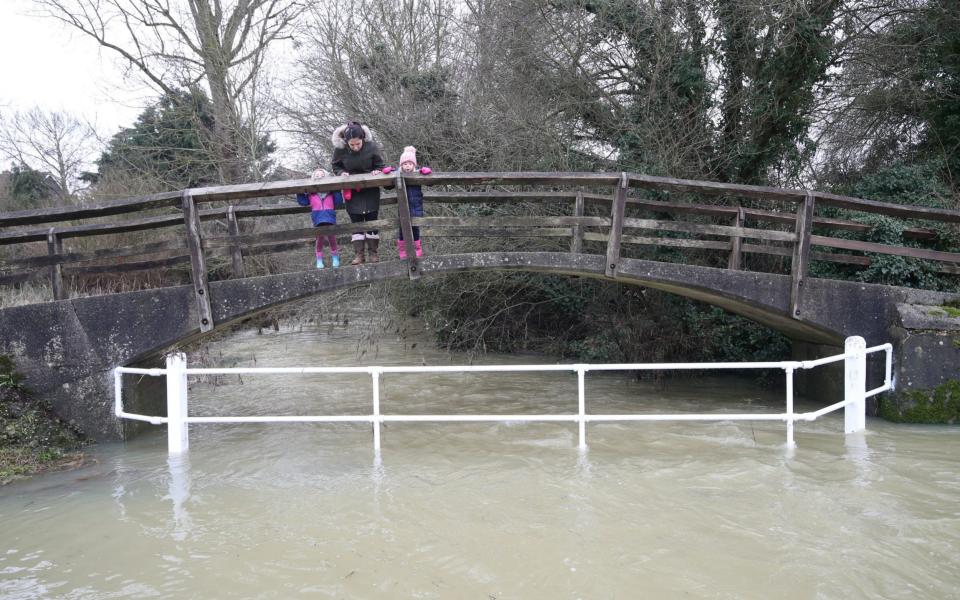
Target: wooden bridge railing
[[603, 212]]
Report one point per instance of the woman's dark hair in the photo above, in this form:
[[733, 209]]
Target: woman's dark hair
[[353, 130]]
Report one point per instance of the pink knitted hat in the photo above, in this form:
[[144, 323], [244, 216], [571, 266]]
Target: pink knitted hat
[[409, 154]]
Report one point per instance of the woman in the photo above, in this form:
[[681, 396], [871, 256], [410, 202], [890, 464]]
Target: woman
[[355, 153]]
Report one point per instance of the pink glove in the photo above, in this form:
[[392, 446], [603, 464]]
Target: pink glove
[[347, 194], [425, 170], [387, 170]]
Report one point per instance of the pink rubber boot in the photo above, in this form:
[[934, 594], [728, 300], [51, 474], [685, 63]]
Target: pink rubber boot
[[401, 249], [419, 248]]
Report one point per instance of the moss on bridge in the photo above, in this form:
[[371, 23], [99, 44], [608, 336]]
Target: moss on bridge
[[32, 438], [939, 405]]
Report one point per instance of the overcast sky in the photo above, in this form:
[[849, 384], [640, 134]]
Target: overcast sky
[[45, 64]]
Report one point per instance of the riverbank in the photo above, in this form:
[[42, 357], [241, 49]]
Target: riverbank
[[32, 438]]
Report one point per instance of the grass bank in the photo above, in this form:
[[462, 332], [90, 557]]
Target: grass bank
[[32, 438]]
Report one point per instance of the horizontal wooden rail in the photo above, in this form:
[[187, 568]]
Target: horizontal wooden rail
[[289, 187], [72, 257], [99, 209], [722, 230], [875, 248], [261, 210], [296, 234]]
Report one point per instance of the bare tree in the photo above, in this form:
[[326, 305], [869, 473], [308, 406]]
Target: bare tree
[[175, 44], [56, 143]]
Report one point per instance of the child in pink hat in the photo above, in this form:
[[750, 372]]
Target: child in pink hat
[[408, 164]]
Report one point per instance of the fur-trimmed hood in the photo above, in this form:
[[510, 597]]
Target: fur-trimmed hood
[[336, 138]]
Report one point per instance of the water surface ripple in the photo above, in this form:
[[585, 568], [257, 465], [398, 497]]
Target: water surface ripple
[[487, 510]]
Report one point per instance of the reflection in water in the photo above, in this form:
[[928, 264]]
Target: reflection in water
[[179, 493], [480, 510]]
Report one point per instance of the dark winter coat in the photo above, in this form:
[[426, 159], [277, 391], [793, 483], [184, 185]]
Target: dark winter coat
[[369, 158]]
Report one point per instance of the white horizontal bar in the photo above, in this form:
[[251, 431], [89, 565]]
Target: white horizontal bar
[[136, 371], [491, 368], [693, 417], [692, 366], [877, 390], [283, 419], [471, 418], [476, 418], [148, 418], [888, 346], [275, 370], [810, 416], [809, 364]]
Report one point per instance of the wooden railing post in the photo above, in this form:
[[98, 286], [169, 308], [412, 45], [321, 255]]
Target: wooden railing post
[[801, 254], [198, 265], [55, 246], [403, 212], [576, 242], [236, 255], [616, 226], [735, 242]]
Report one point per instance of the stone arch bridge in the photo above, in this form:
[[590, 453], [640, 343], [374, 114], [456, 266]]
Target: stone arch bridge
[[67, 347]]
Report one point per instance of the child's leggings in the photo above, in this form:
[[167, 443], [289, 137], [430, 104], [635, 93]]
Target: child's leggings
[[330, 240]]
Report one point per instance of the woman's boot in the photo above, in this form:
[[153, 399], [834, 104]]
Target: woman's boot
[[372, 245], [358, 259]]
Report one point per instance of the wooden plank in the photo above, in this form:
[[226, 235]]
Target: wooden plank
[[128, 267], [494, 196], [576, 241], [515, 178], [20, 277], [403, 212], [944, 215], [100, 209], [724, 230], [74, 257], [512, 221], [921, 253], [289, 187], [198, 264], [916, 233], [236, 255], [617, 211], [800, 263], [296, 234], [733, 263], [659, 241], [54, 248], [488, 232], [713, 187]]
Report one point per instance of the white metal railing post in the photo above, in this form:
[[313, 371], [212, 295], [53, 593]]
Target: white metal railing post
[[582, 407], [117, 392], [178, 435], [375, 374], [790, 415], [855, 384], [888, 372]]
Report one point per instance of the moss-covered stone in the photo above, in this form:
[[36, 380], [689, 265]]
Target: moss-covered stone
[[940, 405], [951, 311], [32, 437]]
